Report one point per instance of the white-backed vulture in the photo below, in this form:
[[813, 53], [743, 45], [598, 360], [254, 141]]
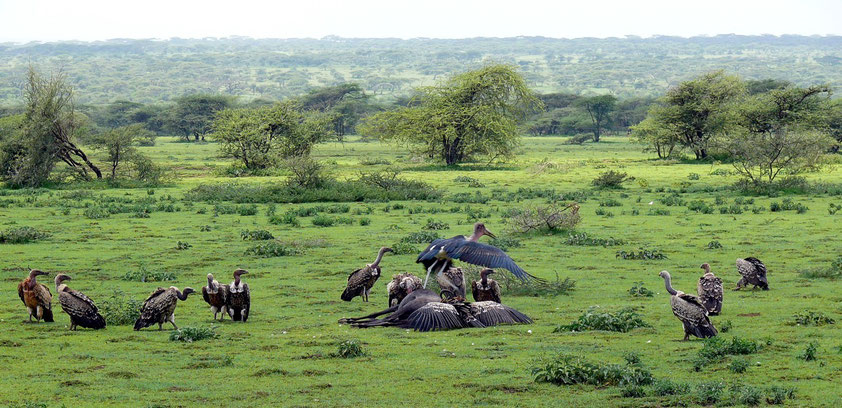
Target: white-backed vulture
[[362, 280], [710, 291], [690, 310], [753, 272], [81, 309], [402, 285], [216, 295], [485, 289], [159, 307], [452, 283], [239, 298]]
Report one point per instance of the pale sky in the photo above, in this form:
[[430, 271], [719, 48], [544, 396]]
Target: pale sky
[[89, 20]]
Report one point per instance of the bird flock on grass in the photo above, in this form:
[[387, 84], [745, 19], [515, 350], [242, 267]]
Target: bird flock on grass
[[410, 304]]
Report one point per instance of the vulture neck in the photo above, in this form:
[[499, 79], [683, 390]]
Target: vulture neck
[[236, 280], [484, 279], [181, 295], [379, 258], [668, 284], [32, 281], [212, 284]]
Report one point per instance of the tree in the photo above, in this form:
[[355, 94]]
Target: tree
[[599, 109], [698, 109], [118, 144], [783, 129], [835, 123], [48, 132], [472, 114], [192, 115], [258, 137], [347, 102], [660, 138]]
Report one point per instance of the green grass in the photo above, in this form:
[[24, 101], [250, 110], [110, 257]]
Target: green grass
[[286, 354]]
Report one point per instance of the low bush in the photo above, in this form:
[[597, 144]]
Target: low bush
[[404, 248], [256, 235], [287, 218], [717, 348], [610, 179], [714, 245], [421, 237], [435, 225], [709, 393], [191, 334], [505, 243], [119, 309], [610, 203], [811, 318], [700, 206], [833, 271], [638, 290], [515, 287], [182, 245], [642, 254], [323, 221], [582, 239], [738, 366], [569, 370], [552, 218], [809, 353], [624, 320], [664, 387], [271, 249], [349, 349], [96, 213], [22, 235], [144, 275]]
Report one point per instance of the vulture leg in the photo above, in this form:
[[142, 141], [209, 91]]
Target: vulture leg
[[30, 314], [223, 313], [430, 269], [160, 326], [172, 321], [39, 313]]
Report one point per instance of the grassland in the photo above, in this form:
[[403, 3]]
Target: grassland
[[283, 355]]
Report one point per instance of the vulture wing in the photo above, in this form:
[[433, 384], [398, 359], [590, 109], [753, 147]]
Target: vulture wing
[[20, 291], [356, 283], [434, 316], [492, 313], [45, 300], [205, 294], [247, 300], [488, 256]]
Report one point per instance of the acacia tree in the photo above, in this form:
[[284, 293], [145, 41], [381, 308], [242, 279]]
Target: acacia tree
[[258, 137], [475, 113], [698, 109], [784, 129], [599, 109], [47, 133], [192, 115], [118, 144]]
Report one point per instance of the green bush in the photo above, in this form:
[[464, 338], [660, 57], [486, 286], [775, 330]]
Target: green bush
[[776, 395], [583, 239], [716, 348], [421, 237], [257, 235], [96, 213], [271, 249], [144, 275], [638, 290], [505, 243], [709, 393], [610, 179], [349, 349], [624, 320], [809, 353], [435, 225], [666, 387], [811, 318], [738, 366], [365, 221], [404, 248], [181, 245], [191, 334], [642, 254], [714, 245], [569, 370], [323, 221], [119, 309], [748, 395], [22, 235], [288, 218]]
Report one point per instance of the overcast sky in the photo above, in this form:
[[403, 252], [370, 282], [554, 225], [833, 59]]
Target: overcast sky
[[43, 20]]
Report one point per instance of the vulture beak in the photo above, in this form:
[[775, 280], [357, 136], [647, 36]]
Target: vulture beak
[[388, 250]]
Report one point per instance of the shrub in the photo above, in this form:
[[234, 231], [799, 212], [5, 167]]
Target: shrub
[[287, 218], [610, 203], [809, 353], [716, 348], [811, 318], [119, 310], [776, 395], [738, 366], [323, 221], [582, 239], [476, 198], [257, 235], [181, 245], [421, 237], [373, 161], [693, 176], [96, 213], [505, 243], [642, 254], [435, 225], [22, 235], [272, 249], [673, 201], [247, 210], [658, 211], [637, 290], [349, 349], [633, 391], [600, 211], [191, 334], [610, 179], [732, 209], [709, 393], [397, 187], [365, 221], [569, 370], [144, 275], [548, 219], [748, 395], [305, 172], [404, 248], [516, 287], [714, 245], [725, 326], [624, 320], [700, 206], [666, 387]]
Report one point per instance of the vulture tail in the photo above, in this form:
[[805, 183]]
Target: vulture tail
[[47, 315], [238, 315], [97, 322], [140, 323], [705, 331], [349, 294]]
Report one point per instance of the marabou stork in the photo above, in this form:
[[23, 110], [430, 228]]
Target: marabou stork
[[468, 249]]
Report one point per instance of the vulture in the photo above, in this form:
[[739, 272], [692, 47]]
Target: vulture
[[710, 291], [362, 280], [468, 249], [216, 296], [486, 289], [690, 310], [402, 285], [81, 309], [452, 283], [753, 272], [36, 297], [239, 298], [423, 310], [159, 307]]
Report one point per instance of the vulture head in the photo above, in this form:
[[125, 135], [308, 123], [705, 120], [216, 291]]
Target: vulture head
[[183, 294], [37, 272], [706, 267], [239, 272], [61, 278], [210, 280]]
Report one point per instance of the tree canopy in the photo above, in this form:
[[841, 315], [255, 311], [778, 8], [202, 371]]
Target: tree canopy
[[192, 115], [472, 114]]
